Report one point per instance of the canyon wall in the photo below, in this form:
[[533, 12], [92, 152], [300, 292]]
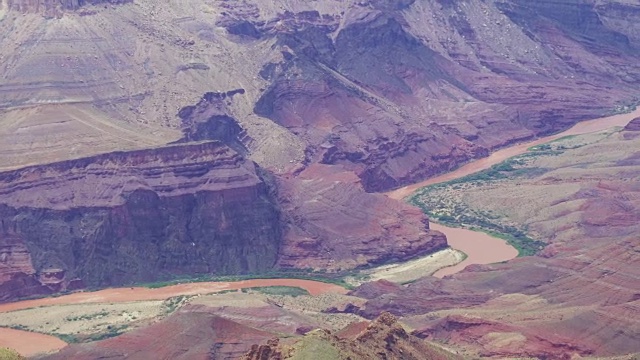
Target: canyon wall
[[329, 221], [137, 216], [397, 96], [392, 91], [196, 207]]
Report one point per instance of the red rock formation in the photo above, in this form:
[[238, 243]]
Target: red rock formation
[[14, 259], [137, 216], [176, 208], [17, 276], [383, 338], [331, 223], [269, 351]]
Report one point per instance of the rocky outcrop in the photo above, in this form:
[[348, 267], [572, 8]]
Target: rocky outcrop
[[210, 119], [138, 216], [269, 351], [383, 338], [14, 259]]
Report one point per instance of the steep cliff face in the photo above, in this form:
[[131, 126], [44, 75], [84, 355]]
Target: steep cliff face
[[139, 216], [329, 221], [382, 91], [393, 91]]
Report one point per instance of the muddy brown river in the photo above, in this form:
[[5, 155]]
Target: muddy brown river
[[30, 344], [479, 247], [499, 156]]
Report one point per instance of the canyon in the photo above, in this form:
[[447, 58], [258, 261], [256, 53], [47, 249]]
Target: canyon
[[502, 317], [144, 142], [584, 278], [183, 210]]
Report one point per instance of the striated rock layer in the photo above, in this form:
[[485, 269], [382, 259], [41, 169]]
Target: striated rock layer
[[195, 207], [137, 216], [329, 221], [393, 91]]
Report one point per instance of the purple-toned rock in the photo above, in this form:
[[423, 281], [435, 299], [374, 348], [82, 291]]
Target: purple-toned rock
[[137, 216], [634, 125]]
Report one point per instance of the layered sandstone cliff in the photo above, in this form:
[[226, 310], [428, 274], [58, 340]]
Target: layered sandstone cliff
[[194, 207], [329, 221], [138, 216]]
